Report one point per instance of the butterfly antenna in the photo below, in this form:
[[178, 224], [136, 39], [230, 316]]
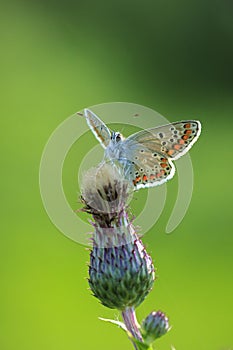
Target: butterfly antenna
[[122, 129]]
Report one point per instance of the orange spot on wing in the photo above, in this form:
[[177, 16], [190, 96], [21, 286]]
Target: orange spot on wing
[[187, 126], [163, 165], [181, 142], [163, 159], [152, 177], [170, 152], [185, 137], [136, 180], [145, 178], [177, 147], [188, 132], [162, 172]]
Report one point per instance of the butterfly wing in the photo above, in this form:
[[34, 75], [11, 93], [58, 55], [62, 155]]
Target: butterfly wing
[[99, 129], [151, 151], [172, 140], [144, 167]]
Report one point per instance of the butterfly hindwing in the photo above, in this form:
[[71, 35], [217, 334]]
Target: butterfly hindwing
[[150, 176], [146, 168]]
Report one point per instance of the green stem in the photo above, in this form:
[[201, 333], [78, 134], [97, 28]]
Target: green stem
[[131, 323]]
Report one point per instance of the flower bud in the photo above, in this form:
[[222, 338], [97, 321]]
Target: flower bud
[[121, 276], [154, 326], [105, 191], [121, 273]]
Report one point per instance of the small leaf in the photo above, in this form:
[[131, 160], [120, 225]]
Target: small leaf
[[117, 323], [140, 345]]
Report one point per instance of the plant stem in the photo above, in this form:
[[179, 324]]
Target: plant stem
[[131, 323]]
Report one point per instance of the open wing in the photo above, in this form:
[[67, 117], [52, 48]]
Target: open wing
[[172, 140]]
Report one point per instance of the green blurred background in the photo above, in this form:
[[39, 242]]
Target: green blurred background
[[59, 57]]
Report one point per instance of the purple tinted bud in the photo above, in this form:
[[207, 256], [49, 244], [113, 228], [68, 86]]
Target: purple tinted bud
[[154, 326], [121, 276], [121, 273]]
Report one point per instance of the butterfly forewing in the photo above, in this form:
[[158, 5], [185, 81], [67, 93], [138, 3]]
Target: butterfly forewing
[[99, 129], [172, 140]]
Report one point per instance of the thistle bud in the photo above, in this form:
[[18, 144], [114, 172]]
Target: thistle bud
[[154, 326], [121, 276], [121, 272]]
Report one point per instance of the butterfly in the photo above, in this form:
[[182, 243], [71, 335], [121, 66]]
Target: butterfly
[[146, 157]]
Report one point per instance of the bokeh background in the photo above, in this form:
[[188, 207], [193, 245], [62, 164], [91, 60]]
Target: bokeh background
[[58, 57]]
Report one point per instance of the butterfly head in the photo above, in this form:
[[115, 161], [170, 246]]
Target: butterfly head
[[116, 137]]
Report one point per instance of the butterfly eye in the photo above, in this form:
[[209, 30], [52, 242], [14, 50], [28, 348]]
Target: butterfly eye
[[118, 137]]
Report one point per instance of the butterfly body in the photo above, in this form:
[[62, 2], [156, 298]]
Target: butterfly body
[[115, 146], [146, 156]]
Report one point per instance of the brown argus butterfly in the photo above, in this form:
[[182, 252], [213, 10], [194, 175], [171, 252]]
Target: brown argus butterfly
[[146, 156]]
